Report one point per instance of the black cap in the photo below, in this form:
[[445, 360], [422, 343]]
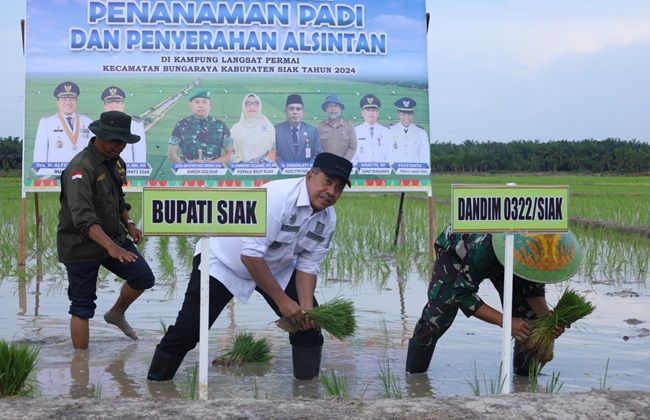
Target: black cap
[[293, 99], [66, 90], [114, 125], [334, 165], [113, 93], [369, 101], [405, 104]]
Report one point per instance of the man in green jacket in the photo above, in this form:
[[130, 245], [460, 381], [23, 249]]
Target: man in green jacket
[[93, 224]]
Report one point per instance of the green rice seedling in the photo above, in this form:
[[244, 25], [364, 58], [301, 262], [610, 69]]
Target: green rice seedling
[[475, 383], [570, 308], [97, 391], [335, 386], [245, 349], [256, 389], [163, 326], [385, 332], [389, 381], [494, 387], [190, 389], [17, 364], [603, 380], [554, 385], [336, 317]]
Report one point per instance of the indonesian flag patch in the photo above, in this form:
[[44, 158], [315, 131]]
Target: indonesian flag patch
[[77, 175]]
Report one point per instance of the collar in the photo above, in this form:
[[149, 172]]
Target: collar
[[303, 194]]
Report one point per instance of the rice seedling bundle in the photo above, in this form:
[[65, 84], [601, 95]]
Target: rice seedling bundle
[[336, 317], [245, 349], [571, 307], [17, 363]]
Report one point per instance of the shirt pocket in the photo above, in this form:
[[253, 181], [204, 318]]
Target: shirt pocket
[[310, 241], [283, 239]]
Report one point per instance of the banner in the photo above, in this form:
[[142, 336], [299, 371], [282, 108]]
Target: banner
[[230, 93], [509, 208]]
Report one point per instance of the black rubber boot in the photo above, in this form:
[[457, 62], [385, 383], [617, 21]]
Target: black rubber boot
[[418, 357], [306, 361], [163, 366]]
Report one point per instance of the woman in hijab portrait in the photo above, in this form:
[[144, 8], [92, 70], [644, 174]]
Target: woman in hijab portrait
[[253, 135]]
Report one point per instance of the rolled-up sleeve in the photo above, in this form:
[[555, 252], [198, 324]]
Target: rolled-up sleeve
[[309, 261], [465, 293], [257, 246]]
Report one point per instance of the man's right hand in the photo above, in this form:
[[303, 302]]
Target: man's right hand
[[290, 310], [520, 330]]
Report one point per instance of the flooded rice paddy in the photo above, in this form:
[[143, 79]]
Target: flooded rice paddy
[[608, 350]]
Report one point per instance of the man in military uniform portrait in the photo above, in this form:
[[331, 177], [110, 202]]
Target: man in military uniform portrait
[[113, 98], [336, 134], [64, 134], [410, 142], [295, 140], [200, 137], [372, 138]]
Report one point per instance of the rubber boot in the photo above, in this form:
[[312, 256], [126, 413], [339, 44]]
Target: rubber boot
[[163, 366], [306, 361], [520, 361], [418, 357]]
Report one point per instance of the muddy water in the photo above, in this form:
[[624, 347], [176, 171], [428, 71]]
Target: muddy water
[[116, 365]]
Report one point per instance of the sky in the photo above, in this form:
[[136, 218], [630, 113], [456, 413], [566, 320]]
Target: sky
[[499, 70]]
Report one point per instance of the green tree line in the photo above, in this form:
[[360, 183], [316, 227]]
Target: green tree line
[[611, 155], [11, 153]]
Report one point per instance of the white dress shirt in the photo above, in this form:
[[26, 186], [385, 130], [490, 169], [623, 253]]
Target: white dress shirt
[[296, 238]]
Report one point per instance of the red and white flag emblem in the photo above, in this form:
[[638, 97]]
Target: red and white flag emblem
[[77, 175]]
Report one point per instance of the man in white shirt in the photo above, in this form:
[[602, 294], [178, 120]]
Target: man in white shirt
[[282, 266], [62, 135], [113, 98], [410, 142], [373, 139]]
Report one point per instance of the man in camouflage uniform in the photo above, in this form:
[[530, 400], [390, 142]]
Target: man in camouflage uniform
[[200, 137], [463, 262]]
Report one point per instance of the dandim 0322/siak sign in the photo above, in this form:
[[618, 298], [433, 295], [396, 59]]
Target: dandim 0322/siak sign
[[509, 208], [204, 212]]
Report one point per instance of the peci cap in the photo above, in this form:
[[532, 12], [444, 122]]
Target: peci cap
[[542, 258], [405, 104], [332, 99], [66, 90], [334, 165], [113, 94], [114, 125], [200, 93], [370, 101], [293, 99]]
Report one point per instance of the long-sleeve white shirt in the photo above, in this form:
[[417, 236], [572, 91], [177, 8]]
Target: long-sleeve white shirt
[[296, 238]]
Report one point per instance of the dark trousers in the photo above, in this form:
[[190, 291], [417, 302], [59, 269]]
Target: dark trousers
[[184, 334], [82, 279]]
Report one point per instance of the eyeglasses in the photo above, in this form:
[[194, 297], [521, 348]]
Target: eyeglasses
[[252, 103]]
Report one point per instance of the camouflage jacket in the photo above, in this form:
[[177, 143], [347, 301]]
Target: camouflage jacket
[[473, 258], [201, 138]]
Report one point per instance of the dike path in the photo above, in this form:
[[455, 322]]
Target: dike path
[[589, 405]]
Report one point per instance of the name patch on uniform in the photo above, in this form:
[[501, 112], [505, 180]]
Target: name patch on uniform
[[100, 178], [289, 228], [315, 237]]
